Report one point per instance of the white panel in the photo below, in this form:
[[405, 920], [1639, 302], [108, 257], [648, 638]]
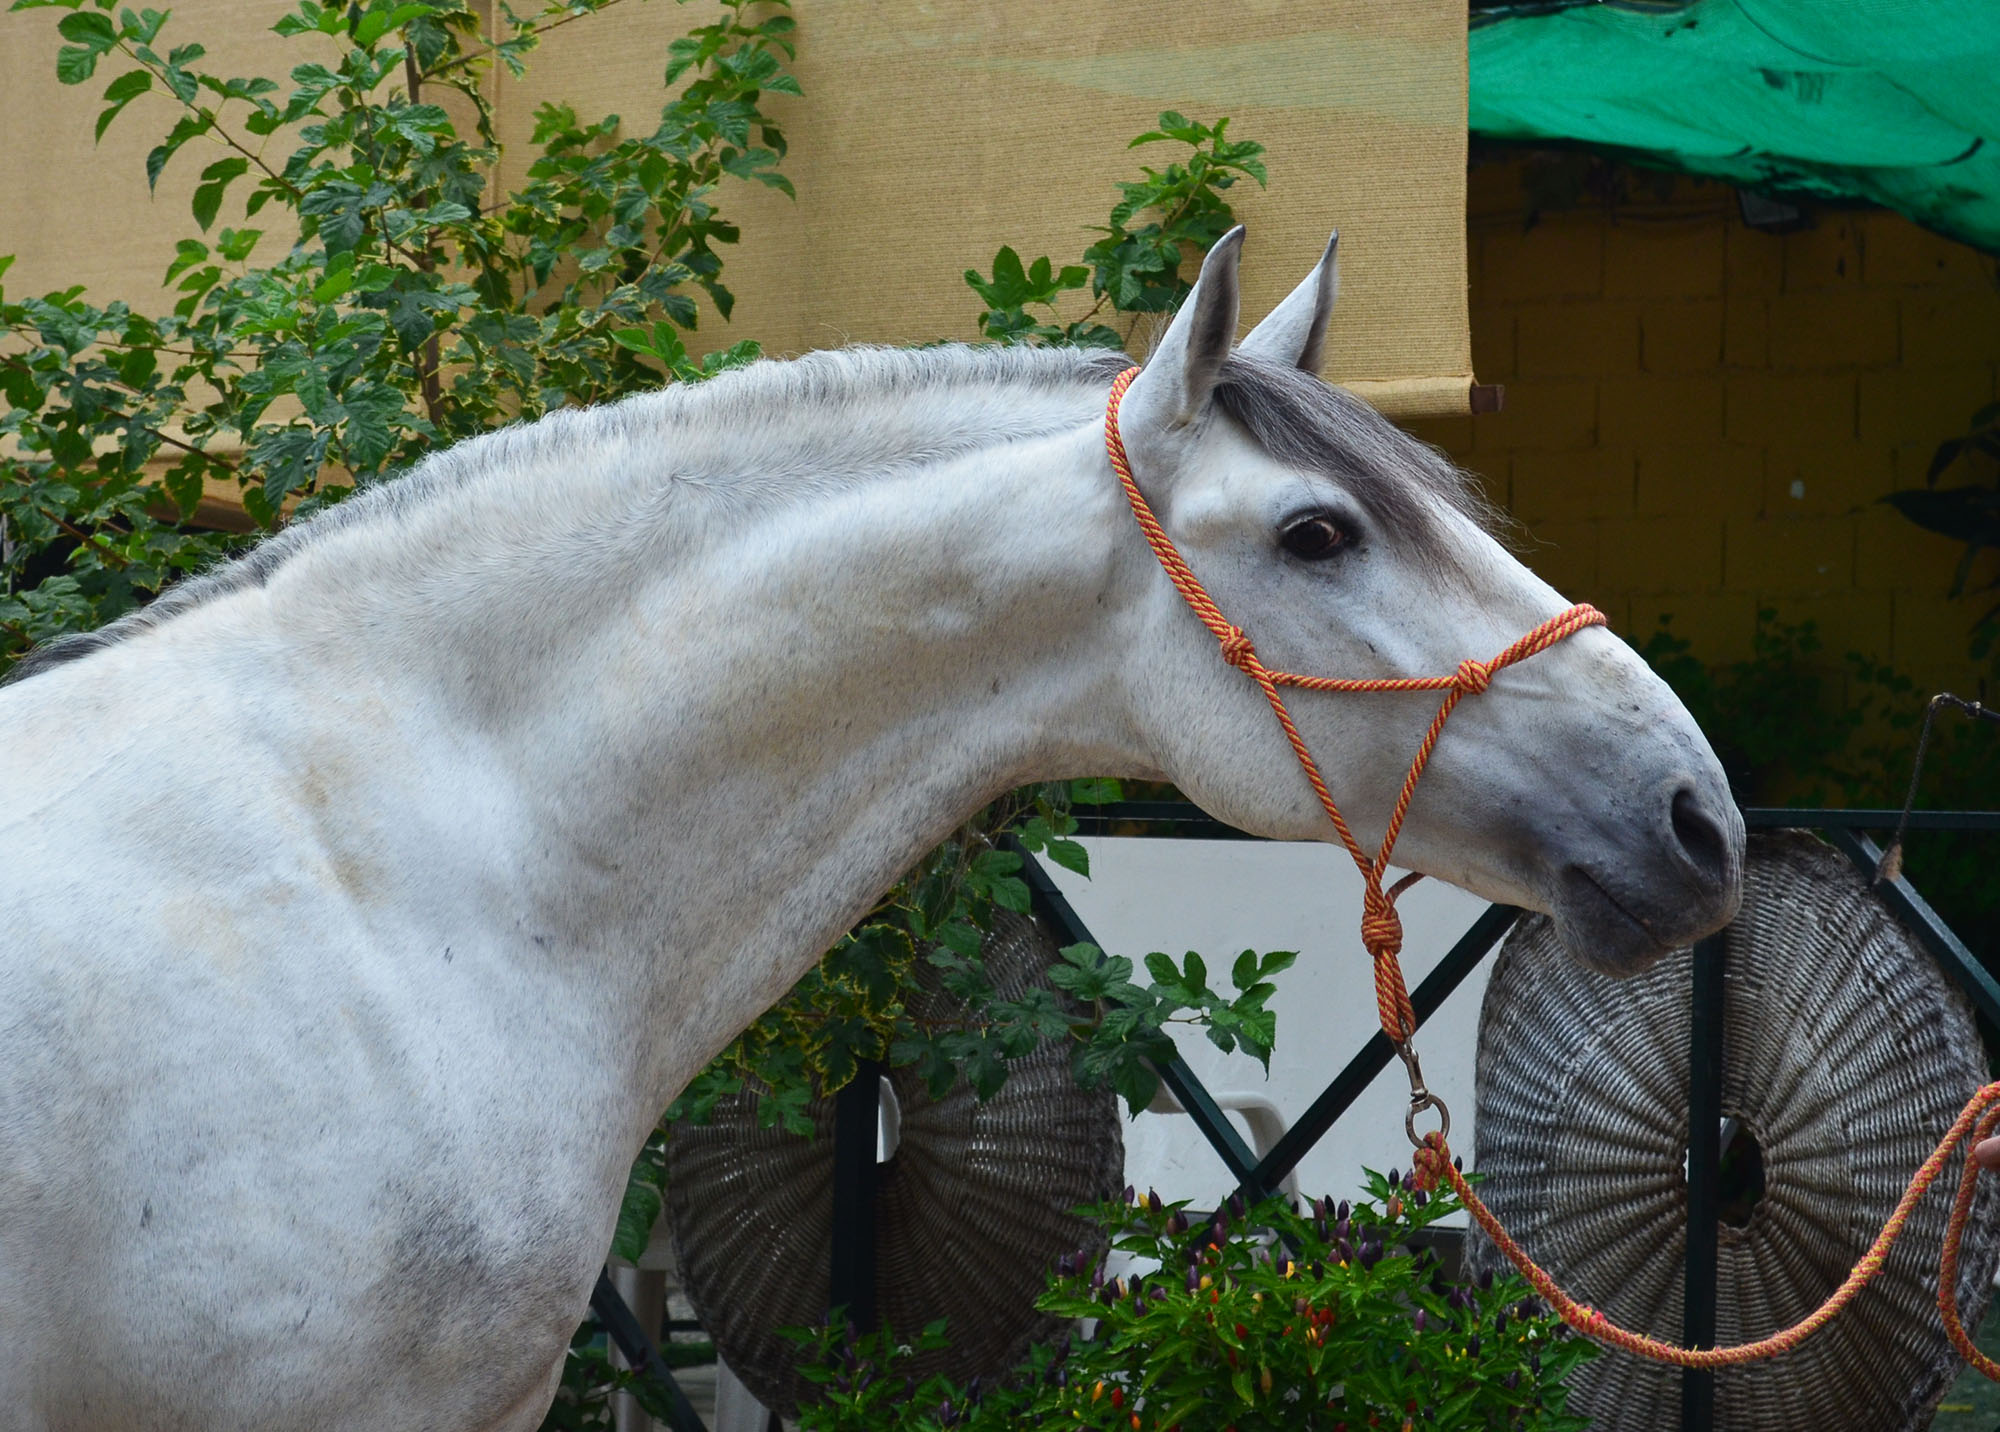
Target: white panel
[[1220, 897]]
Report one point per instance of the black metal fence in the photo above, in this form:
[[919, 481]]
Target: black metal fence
[[855, 1133]]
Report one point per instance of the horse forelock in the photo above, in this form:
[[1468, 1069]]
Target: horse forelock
[[1403, 483]]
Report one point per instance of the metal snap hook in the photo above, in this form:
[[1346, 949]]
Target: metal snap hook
[[1419, 1103], [1421, 1098]]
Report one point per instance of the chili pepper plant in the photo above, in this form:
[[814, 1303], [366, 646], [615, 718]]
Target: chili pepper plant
[[1270, 1316]]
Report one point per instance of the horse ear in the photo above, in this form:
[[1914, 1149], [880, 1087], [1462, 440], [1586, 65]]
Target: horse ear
[[1173, 391], [1295, 331]]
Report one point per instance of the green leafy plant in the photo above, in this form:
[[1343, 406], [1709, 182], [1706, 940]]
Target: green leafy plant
[[853, 1005], [413, 307], [1136, 268], [1266, 1317]]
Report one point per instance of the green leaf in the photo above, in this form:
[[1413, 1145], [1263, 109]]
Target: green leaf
[[187, 253], [208, 195], [1096, 790], [128, 86], [235, 245], [207, 200], [86, 27], [1070, 856], [74, 66], [187, 127], [1243, 973], [378, 22], [1011, 894], [137, 365], [1946, 454], [1135, 1082], [120, 92]]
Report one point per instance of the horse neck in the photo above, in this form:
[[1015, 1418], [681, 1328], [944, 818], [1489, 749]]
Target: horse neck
[[722, 735]]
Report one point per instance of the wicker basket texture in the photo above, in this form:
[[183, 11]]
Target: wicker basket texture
[[971, 1209], [1846, 1056]]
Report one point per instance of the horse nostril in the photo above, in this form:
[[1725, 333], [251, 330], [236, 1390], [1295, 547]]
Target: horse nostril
[[1703, 841]]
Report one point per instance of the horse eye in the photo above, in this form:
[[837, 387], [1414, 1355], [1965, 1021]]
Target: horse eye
[[1315, 538]]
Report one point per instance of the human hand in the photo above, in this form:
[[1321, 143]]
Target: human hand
[[1987, 1152]]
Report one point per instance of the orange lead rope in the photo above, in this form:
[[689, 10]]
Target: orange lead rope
[[1382, 935]]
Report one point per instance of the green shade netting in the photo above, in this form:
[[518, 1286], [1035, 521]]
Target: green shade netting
[[1892, 101]]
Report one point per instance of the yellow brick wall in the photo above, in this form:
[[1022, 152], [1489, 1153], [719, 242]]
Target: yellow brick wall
[[1701, 418]]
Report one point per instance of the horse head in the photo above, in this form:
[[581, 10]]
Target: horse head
[[1576, 783]]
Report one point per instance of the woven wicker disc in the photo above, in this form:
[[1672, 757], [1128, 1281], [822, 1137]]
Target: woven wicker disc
[[971, 1209], [1847, 1056]]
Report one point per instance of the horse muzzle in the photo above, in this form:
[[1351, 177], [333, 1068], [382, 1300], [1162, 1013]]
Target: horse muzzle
[[1621, 906]]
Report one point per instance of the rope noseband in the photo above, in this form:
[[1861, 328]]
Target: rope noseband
[[1382, 936]]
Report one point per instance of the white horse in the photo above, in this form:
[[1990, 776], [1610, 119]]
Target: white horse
[[363, 902]]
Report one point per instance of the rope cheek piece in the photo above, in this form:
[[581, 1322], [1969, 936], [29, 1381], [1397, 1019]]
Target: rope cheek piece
[[1382, 937]]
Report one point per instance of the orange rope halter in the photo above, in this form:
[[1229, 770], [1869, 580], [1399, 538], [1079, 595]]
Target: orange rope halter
[[1381, 928], [1382, 936]]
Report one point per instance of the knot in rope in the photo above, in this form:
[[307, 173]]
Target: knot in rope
[[1237, 650], [1428, 1164], [1381, 926], [1472, 677]]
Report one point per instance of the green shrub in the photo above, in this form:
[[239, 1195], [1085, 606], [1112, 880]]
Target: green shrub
[[1254, 1320]]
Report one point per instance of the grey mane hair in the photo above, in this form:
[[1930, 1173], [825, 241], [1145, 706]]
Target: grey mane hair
[[1297, 418], [1399, 480]]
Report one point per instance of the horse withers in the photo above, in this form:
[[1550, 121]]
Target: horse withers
[[363, 901]]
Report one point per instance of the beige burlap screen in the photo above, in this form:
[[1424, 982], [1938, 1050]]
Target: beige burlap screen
[[928, 136]]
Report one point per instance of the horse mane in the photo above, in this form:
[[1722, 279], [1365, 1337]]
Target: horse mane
[[753, 428]]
